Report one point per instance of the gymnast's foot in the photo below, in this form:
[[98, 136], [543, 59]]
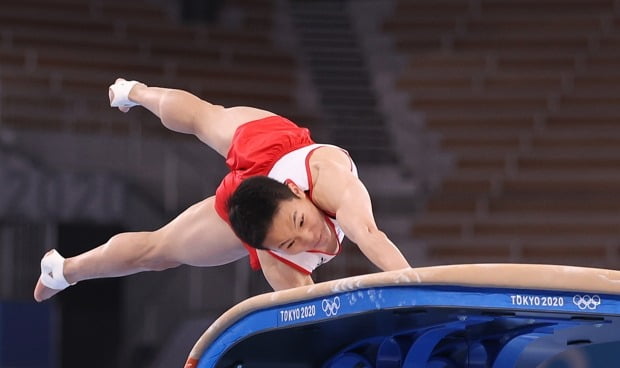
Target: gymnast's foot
[[119, 94], [42, 292], [52, 279]]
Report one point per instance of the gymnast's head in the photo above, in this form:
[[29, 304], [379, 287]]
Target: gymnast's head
[[267, 214]]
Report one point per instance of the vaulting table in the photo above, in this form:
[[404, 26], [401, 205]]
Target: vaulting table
[[475, 315]]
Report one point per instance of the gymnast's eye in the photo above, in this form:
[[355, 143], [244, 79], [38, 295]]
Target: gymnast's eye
[[301, 223]]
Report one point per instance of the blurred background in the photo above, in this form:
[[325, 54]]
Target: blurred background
[[485, 130]]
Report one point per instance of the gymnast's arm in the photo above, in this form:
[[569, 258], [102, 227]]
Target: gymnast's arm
[[280, 275], [337, 190]]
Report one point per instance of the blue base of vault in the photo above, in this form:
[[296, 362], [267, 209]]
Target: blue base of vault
[[426, 327]]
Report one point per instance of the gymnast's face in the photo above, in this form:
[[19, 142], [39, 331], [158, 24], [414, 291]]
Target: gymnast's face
[[298, 226]]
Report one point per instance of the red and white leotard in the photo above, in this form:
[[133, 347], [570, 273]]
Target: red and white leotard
[[294, 166], [276, 147]]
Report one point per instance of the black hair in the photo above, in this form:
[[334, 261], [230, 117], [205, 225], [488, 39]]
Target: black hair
[[252, 206]]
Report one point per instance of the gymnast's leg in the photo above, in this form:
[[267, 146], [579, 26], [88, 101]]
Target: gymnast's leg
[[197, 237], [183, 112]]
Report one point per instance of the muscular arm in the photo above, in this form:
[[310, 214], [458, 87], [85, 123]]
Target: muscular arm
[[279, 275], [336, 189]]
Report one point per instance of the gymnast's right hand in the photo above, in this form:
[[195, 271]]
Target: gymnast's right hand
[[119, 94]]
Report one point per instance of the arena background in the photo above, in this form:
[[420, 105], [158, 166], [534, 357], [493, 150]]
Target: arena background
[[485, 130]]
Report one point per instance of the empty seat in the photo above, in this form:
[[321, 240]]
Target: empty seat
[[76, 48], [546, 7], [523, 97]]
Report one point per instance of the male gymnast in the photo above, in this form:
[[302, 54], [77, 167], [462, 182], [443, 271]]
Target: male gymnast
[[287, 201]]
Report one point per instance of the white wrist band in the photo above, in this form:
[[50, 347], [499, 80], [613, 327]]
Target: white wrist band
[[52, 275], [121, 91]]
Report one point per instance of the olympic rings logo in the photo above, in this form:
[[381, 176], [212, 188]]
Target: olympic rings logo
[[331, 306], [587, 301]]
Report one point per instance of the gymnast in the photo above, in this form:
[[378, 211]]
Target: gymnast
[[287, 202]]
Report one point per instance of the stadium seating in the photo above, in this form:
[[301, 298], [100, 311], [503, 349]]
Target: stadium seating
[[524, 96], [67, 52]]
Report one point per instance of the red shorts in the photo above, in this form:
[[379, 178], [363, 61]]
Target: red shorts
[[256, 146]]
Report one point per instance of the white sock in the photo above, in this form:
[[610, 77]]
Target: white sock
[[121, 90], [52, 275]]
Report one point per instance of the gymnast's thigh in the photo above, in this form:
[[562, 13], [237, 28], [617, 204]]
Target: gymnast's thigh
[[199, 237]]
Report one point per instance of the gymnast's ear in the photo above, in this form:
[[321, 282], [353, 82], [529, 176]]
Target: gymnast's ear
[[297, 191]]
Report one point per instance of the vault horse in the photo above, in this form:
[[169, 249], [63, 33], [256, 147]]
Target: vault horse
[[479, 315]]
